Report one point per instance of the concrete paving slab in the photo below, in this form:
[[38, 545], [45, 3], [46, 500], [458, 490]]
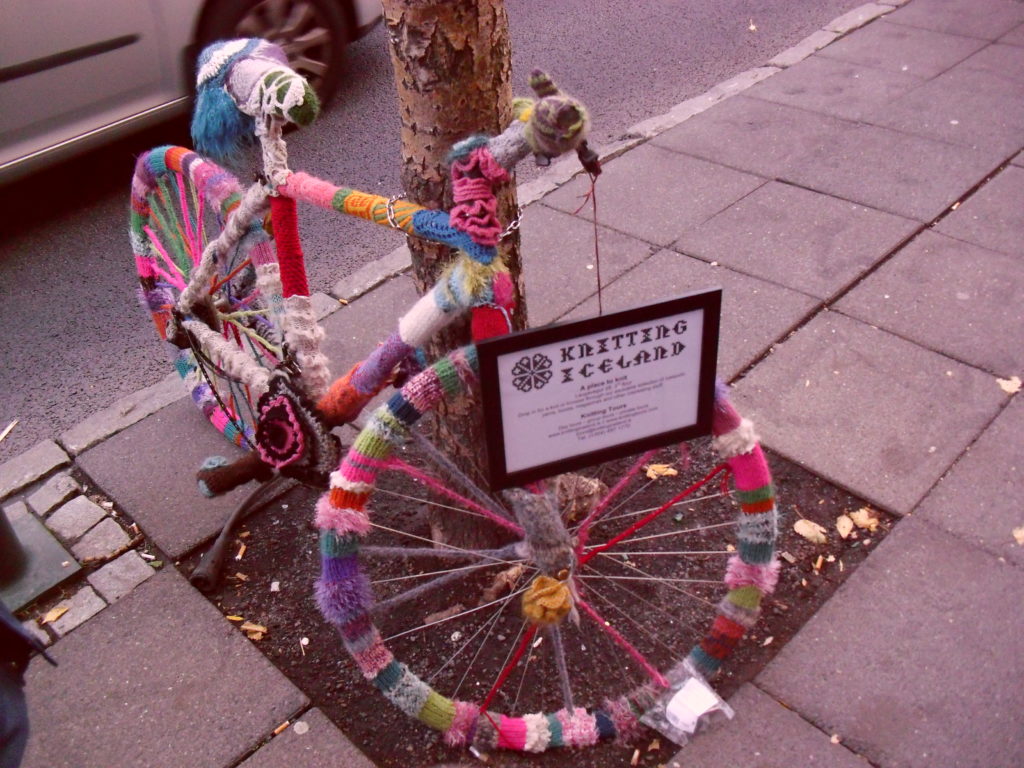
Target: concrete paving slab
[[813, 42], [119, 577], [558, 260], [1004, 62], [897, 48], [961, 17], [866, 409], [38, 461], [1018, 160], [979, 499], [75, 518], [964, 106], [102, 539], [166, 680], [993, 216], [754, 313], [909, 660], [654, 194], [956, 298], [312, 741], [149, 470], [763, 733], [754, 135], [1014, 37], [81, 607], [802, 239], [832, 87]]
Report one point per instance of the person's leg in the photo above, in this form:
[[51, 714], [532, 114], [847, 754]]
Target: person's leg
[[13, 721]]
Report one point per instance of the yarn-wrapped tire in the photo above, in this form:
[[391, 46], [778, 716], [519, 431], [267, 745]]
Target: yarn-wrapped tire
[[650, 587], [180, 202]]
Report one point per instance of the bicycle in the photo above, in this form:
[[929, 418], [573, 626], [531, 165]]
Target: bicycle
[[250, 327]]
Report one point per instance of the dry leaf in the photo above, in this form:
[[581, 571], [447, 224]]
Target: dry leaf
[[254, 635], [1010, 386], [241, 576], [252, 627], [1018, 534], [654, 471], [505, 581], [54, 613], [447, 613], [234, 618], [865, 518], [810, 530], [844, 525], [343, 302], [654, 745]]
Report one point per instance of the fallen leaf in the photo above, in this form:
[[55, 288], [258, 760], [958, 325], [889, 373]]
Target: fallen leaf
[[250, 626], [730, 547], [254, 635], [844, 525], [235, 618], [54, 613], [1018, 534], [810, 530], [654, 471], [240, 576], [1010, 386], [504, 581], [157, 564], [654, 745], [865, 518]]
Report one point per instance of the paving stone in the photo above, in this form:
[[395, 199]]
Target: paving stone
[[125, 412], [858, 17], [979, 500], [754, 312], [47, 564], [763, 733], [36, 462], [867, 410], [897, 48], [753, 135], [655, 194], [102, 539], [1014, 36], [166, 680], [82, 606], [75, 518], [961, 17], [369, 276], [1018, 160], [558, 260], [964, 106], [312, 741], [992, 216], [802, 239], [833, 87], [1004, 62], [910, 660], [803, 49], [950, 296], [54, 491], [119, 577]]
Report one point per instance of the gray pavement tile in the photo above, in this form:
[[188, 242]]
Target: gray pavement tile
[[655, 194], [867, 410], [1018, 160], [916, 661], [54, 491], [993, 216], [38, 461], [1014, 37], [165, 680], [753, 135], [46, 562], [838, 88], [149, 470], [979, 499], [897, 48], [559, 268], [802, 239], [962, 17], [858, 17], [813, 42], [312, 741], [82, 606], [956, 298], [1003, 62], [75, 518], [763, 733], [754, 312], [102, 539], [966, 106], [119, 577]]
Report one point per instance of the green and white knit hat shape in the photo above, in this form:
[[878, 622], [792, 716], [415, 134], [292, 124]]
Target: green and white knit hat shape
[[559, 122]]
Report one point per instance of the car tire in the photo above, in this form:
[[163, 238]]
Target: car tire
[[313, 34]]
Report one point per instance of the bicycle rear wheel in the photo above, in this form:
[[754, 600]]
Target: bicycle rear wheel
[[224, 335], [594, 609]]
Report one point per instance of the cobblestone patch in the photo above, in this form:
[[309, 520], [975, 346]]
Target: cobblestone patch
[[75, 517], [116, 579], [38, 461], [54, 492], [102, 539], [82, 606]]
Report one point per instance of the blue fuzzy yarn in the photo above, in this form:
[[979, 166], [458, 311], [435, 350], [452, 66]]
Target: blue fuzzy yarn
[[220, 129]]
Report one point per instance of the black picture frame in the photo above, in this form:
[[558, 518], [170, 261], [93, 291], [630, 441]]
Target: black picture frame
[[708, 301]]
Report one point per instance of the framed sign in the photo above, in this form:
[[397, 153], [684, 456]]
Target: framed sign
[[564, 397]]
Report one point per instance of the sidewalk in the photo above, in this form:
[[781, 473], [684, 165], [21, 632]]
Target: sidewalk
[[860, 199]]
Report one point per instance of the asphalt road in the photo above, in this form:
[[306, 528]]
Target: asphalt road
[[72, 337]]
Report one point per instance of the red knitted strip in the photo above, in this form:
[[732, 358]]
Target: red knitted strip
[[723, 637], [343, 499], [758, 506], [289, 249]]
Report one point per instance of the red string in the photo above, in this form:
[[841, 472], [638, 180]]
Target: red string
[[584, 531], [527, 637], [289, 249]]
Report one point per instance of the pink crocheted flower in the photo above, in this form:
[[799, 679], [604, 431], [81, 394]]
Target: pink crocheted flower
[[279, 437]]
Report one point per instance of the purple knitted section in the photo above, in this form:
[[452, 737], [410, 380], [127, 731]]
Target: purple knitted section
[[371, 374], [339, 568], [341, 601]]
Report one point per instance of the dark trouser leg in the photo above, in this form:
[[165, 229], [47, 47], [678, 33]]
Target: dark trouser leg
[[13, 721]]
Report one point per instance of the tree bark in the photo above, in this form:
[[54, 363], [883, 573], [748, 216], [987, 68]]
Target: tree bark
[[452, 67]]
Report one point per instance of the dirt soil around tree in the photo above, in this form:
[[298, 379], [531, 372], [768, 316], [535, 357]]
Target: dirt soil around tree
[[661, 601]]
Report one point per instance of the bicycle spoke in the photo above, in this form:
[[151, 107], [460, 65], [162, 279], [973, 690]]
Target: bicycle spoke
[[441, 572], [505, 602], [421, 627], [684, 502], [651, 577]]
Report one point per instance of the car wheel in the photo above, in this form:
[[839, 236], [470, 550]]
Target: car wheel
[[313, 34]]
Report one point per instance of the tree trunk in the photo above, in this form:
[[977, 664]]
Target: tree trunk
[[452, 65]]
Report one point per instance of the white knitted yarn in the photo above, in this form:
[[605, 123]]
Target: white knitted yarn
[[224, 52], [738, 441], [303, 335], [230, 358], [420, 323]]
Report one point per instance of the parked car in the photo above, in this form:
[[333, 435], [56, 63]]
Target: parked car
[[76, 75]]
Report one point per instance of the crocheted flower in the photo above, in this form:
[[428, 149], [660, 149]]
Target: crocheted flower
[[279, 437], [531, 373]]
